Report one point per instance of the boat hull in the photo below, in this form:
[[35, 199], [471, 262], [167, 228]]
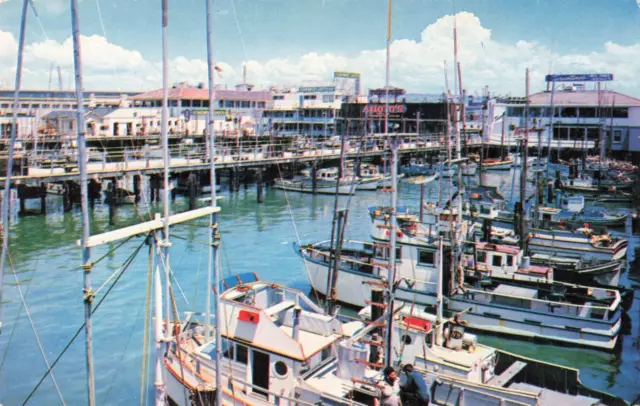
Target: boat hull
[[303, 187]]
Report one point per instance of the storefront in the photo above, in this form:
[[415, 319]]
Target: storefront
[[407, 118]]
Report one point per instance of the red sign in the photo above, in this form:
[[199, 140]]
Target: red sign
[[251, 317], [417, 323], [379, 109]]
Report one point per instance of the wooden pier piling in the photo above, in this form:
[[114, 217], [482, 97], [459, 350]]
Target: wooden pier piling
[[260, 186]]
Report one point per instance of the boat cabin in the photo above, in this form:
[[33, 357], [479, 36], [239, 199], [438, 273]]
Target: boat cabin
[[572, 203], [504, 261], [271, 334], [549, 214]]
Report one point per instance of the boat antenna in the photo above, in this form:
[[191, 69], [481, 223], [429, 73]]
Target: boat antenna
[[14, 133], [82, 164], [214, 236]]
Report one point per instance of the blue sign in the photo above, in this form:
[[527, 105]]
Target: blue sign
[[187, 115], [587, 77]]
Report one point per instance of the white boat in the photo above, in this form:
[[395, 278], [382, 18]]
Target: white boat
[[369, 176], [304, 185], [421, 180], [417, 166], [506, 308], [326, 182], [493, 164]]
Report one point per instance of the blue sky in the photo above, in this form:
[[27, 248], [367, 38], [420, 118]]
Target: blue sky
[[277, 30]]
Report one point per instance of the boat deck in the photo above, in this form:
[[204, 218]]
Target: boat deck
[[553, 398]]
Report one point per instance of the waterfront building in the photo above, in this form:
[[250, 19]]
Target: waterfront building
[[582, 117]]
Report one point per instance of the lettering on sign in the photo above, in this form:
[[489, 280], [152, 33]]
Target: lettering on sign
[[379, 109]]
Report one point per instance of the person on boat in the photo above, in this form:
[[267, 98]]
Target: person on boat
[[388, 389], [414, 390]]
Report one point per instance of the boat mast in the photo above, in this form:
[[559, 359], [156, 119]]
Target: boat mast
[[457, 83], [14, 133], [160, 346], [523, 169], [82, 164], [439, 297], [394, 198], [214, 236]]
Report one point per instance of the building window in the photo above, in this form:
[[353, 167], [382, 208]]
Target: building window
[[617, 136], [327, 98], [261, 104], [228, 104], [621, 112], [426, 257], [245, 104], [205, 103], [220, 103], [278, 97], [173, 103]]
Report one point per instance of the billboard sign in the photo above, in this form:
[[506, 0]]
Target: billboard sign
[[586, 77]]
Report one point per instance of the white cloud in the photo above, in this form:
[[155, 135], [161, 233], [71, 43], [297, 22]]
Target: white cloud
[[417, 65]]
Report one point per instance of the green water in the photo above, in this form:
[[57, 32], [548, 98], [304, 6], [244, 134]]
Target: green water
[[256, 237]]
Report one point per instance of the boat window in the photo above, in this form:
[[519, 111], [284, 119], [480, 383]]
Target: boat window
[[242, 354], [406, 339], [281, 368], [497, 260], [510, 260], [482, 256], [227, 348], [326, 353], [426, 257]]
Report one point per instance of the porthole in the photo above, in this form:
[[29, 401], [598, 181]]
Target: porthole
[[281, 368], [406, 339]]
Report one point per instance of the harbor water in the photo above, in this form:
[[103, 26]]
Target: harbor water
[[255, 237]]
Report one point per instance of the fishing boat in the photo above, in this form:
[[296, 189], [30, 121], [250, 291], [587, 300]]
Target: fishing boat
[[495, 164], [369, 176], [582, 244], [422, 179], [272, 336], [590, 185], [326, 183], [417, 166]]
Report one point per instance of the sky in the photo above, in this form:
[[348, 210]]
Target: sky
[[293, 42]]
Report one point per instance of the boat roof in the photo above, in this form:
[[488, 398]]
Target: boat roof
[[261, 314], [507, 249], [552, 210]]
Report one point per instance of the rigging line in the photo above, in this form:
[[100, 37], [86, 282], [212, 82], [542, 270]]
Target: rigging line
[[108, 279], [15, 323], [129, 260], [295, 229], [173, 276], [195, 289], [235, 14], [37, 15], [124, 352], [104, 33], [33, 326]]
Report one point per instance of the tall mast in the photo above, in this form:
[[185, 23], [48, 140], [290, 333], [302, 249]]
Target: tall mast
[[160, 346], [213, 221], [394, 203], [523, 169], [82, 163], [14, 133], [165, 155], [457, 81]]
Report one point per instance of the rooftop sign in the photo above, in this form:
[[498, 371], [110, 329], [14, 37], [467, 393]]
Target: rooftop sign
[[350, 75], [583, 77], [317, 89]]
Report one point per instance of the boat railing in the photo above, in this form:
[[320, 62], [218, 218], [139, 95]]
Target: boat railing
[[581, 311], [512, 396], [199, 364]]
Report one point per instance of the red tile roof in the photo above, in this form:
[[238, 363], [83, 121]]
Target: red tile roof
[[192, 93], [583, 98]]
